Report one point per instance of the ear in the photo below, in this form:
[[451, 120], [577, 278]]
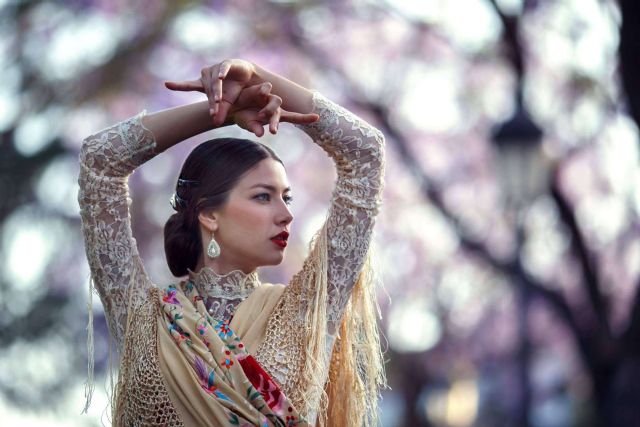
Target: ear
[[209, 220]]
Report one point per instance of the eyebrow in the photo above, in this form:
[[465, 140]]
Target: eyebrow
[[270, 187]]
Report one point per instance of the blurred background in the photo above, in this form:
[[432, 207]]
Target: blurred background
[[508, 242]]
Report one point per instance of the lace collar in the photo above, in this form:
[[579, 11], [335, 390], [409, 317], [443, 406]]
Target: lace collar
[[223, 292]]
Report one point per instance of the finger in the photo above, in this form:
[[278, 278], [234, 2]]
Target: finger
[[185, 86], [230, 93], [217, 86], [298, 118], [218, 74], [225, 66], [274, 103], [274, 120], [256, 127], [224, 107], [254, 96], [205, 76], [249, 121]]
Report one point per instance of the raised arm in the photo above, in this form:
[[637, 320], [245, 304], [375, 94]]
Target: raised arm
[[357, 149], [107, 158]]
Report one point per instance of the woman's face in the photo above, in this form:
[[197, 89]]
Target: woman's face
[[256, 211]]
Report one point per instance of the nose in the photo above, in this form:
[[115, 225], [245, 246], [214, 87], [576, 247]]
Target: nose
[[284, 215]]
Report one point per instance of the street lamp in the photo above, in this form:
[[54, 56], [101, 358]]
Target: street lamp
[[523, 170]]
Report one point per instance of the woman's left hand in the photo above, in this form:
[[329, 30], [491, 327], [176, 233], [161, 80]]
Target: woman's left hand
[[256, 107]]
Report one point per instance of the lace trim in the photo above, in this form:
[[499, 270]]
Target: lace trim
[[223, 292]]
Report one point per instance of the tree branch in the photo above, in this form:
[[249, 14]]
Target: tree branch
[[579, 248], [430, 192]]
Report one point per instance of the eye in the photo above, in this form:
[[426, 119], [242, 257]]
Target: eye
[[266, 197]]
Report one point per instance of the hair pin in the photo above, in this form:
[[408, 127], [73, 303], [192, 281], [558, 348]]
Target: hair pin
[[187, 182], [177, 202]]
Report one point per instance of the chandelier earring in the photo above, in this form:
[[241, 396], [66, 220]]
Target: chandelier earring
[[213, 250]]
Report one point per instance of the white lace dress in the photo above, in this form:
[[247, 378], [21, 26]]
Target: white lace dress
[[108, 157]]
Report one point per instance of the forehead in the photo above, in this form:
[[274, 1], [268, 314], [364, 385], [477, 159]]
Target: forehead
[[267, 171]]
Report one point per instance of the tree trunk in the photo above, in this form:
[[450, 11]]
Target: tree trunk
[[621, 404]]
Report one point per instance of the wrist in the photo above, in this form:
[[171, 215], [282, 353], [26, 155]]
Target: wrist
[[258, 76], [295, 97]]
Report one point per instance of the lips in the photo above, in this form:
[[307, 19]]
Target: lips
[[283, 235], [281, 239]]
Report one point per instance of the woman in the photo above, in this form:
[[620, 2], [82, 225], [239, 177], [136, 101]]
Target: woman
[[219, 347]]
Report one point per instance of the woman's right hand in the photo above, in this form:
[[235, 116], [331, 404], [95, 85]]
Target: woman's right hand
[[222, 83]]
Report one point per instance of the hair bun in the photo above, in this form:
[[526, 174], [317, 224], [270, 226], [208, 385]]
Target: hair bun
[[181, 243]]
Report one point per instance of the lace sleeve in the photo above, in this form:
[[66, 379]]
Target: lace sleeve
[[357, 149], [107, 158]]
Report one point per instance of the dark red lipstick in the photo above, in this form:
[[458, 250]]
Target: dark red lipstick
[[281, 239]]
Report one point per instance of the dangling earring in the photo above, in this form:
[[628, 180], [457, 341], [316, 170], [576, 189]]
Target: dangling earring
[[213, 250]]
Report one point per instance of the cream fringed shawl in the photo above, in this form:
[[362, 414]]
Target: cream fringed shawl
[[180, 367], [210, 374], [249, 323], [356, 374]]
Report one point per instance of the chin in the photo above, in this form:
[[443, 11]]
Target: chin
[[273, 261]]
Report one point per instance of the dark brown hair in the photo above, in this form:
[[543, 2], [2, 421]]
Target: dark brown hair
[[207, 177]]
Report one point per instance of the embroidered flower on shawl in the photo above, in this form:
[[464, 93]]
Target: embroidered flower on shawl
[[227, 362], [207, 379], [178, 335], [213, 390], [179, 338], [222, 328], [201, 328], [237, 347], [170, 296]]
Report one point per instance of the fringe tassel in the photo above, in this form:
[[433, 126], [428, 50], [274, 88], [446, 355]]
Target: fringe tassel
[[356, 371], [119, 396], [357, 360], [316, 323], [89, 385]]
